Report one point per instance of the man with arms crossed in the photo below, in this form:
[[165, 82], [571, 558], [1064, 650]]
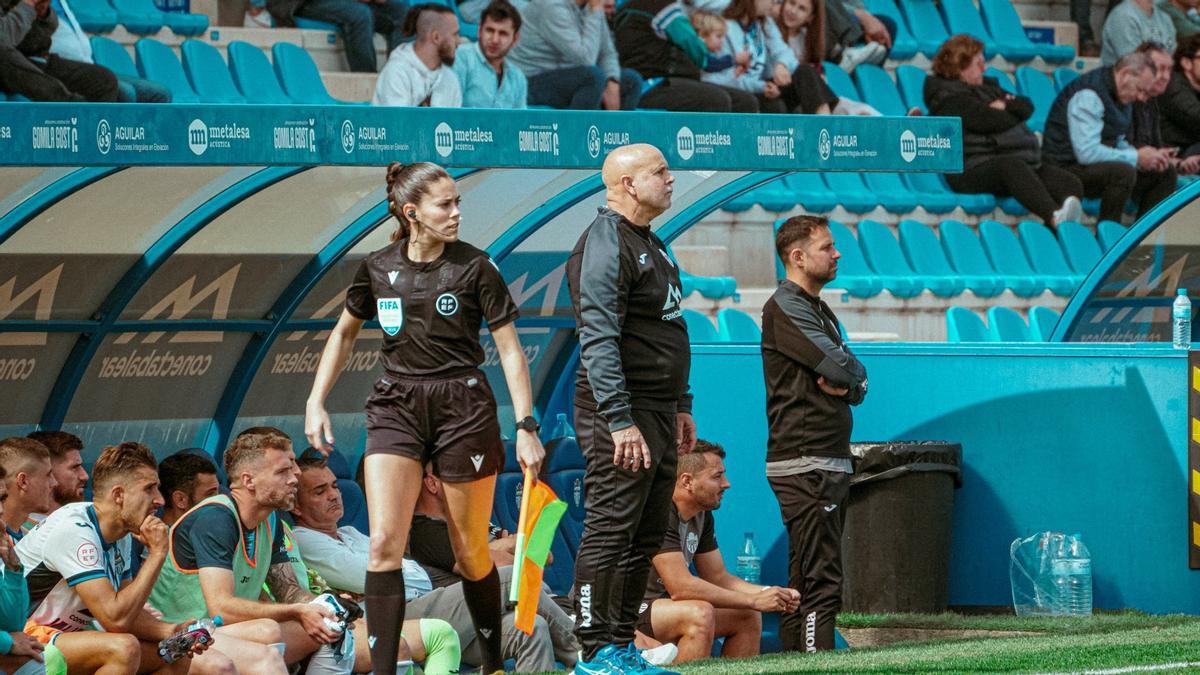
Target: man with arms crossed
[[227, 547], [693, 610], [812, 380], [632, 406], [77, 567]]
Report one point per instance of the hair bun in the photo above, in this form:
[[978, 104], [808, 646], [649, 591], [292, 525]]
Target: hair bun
[[393, 173]]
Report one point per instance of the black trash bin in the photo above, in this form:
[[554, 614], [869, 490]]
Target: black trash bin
[[896, 545]]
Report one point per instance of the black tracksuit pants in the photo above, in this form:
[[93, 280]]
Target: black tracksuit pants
[[813, 508], [623, 529]]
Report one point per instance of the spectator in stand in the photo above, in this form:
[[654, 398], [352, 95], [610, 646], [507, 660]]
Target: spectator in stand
[[853, 35], [568, 56], [1087, 133], [1185, 15], [66, 465], [802, 26], [1146, 127], [485, 76], [420, 73], [70, 42], [655, 38], [20, 653], [711, 29], [357, 20], [694, 609], [1001, 155], [774, 74], [1081, 16], [28, 68], [1131, 23], [1180, 104]]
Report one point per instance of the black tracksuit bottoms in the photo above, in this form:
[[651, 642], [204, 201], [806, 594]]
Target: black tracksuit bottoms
[[813, 508], [623, 529]]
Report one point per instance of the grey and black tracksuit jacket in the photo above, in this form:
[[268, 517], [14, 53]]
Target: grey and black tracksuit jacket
[[800, 343], [633, 341]]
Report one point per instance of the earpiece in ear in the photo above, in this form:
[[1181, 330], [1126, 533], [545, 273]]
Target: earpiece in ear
[[412, 215]]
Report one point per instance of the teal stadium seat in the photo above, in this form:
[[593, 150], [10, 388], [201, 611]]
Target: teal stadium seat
[[1009, 259], [963, 325], [208, 73], [1002, 78], [839, 81], [773, 196], [935, 193], [854, 276], [1005, 325], [1110, 233], [924, 253], [299, 75], [883, 254], [1005, 26], [1063, 77], [700, 329], [1080, 246], [965, 253], [851, 192], [804, 189], [893, 195], [136, 17], [254, 76], [734, 325], [157, 62], [355, 504], [879, 90], [904, 46], [95, 16], [1046, 255], [313, 24], [1042, 321], [926, 25], [912, 86], [713, 288], [112, 55], [1035, 85], [962, 16]]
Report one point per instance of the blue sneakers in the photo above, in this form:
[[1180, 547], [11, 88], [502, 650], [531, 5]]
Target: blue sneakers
[[610, 660], [638, 663]]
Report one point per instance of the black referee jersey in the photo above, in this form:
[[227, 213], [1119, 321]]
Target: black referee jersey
[[430, 312]]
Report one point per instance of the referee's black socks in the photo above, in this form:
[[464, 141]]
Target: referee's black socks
[[385, 611], [483, 601]]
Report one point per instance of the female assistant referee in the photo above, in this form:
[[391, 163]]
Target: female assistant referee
[[430, 293]]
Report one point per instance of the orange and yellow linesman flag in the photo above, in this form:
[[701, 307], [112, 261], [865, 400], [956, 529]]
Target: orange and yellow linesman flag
[[541, 510]]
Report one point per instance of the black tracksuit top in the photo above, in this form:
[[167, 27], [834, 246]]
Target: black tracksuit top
[[633, 342], [801, 342]]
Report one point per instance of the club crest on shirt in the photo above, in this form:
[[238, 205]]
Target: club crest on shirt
[[391, 314], [693, 542], [87, 554], [447, 304]]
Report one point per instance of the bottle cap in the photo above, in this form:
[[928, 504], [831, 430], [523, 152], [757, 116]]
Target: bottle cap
[[218, 621], [1181, 291]]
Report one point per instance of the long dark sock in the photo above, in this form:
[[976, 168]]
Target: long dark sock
[[483, 602], [385, 610]]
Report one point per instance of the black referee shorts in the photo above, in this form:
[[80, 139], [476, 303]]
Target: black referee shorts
[[449, 420]]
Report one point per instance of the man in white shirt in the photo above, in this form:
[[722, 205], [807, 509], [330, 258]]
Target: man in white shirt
[[339, 555], [418, 73], [70, 42]]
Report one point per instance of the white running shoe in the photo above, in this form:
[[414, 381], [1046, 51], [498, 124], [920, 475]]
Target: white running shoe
[[259, 19], [1070, 211], [847, 106], [662, 655], [870, 52]]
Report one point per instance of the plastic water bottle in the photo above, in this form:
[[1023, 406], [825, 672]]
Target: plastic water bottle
[[749, 563], [562, 428], [1181, 320], [180, 644], [1071, 575]]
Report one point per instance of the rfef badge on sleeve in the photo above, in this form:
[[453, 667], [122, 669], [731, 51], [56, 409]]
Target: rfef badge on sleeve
[[391, 314]]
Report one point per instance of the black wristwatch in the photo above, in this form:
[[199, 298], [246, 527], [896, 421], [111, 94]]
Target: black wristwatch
[[529, 424]]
